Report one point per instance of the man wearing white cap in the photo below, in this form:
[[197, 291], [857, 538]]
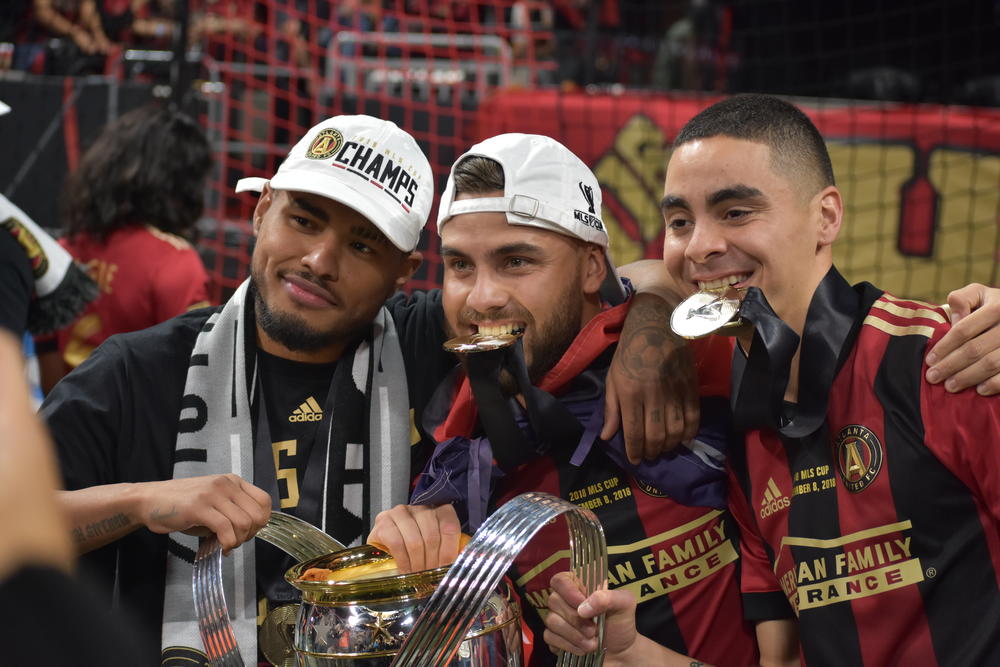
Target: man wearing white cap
[[162, 429], [524, 250], [158, 428]]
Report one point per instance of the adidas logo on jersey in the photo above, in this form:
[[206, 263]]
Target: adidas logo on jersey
[[774, 500], [309, 411]]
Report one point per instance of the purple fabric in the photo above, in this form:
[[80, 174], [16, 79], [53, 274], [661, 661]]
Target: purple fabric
[[461, 471]]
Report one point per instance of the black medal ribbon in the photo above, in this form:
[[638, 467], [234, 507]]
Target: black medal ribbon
[[553, 424], [310, 505], [761, 377]]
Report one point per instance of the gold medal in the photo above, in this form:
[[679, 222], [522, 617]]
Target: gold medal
[[481, 342], [277, 634], [705, 313]]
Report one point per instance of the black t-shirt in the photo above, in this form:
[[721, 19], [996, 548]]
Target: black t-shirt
[[114, 419], [48, 619], [16, 285], [295, 395]]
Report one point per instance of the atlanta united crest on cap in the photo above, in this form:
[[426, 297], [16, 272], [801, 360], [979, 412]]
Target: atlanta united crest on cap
[[325, 145], [859, 456]]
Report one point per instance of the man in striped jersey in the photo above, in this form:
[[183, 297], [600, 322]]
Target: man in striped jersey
[[870, 497]]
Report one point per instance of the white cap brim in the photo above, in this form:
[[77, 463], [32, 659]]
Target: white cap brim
[[336, 190], [4, 109]]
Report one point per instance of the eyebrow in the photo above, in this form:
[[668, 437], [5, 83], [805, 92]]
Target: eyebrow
[[673, 201], [717, 197], [370, 232], [508, 249], [311, 209], [733, 192]]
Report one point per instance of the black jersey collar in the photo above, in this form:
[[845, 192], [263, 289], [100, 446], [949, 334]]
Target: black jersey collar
[[759, 379]]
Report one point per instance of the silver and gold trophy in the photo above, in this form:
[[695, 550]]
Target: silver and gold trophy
[[358, 610]]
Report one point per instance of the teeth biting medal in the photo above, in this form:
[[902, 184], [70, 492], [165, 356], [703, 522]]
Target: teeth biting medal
[[479, 342], [708, 311]]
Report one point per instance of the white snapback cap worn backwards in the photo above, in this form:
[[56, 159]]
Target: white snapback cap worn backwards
[[365, 163], [545, 185]]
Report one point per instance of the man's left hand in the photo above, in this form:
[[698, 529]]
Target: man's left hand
[[969, 354], [651, 391]]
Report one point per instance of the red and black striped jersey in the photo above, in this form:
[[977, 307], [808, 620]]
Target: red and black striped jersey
[[680, 562], [881, 528]]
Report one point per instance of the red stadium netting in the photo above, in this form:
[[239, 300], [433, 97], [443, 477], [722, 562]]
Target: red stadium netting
[[428, 67], [920, 181], [907, 93]]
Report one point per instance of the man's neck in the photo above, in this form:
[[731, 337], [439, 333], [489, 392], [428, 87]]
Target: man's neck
[[324, 355]]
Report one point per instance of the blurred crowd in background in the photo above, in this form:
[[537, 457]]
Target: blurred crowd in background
[[907, 51]]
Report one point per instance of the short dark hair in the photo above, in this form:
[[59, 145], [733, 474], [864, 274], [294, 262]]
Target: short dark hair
[[147, 167], [796, 145], [476, 175]]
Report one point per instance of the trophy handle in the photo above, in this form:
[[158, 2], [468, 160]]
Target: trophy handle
[[297, 538], [478, 570]]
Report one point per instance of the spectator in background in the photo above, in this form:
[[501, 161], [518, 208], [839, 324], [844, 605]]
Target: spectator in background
[[531, 39], [581, 61], [137, 193], [79, 20], [79, 45], [145, 23]]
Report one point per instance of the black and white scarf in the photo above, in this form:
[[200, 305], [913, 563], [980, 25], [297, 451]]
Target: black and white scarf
[[215, 437]]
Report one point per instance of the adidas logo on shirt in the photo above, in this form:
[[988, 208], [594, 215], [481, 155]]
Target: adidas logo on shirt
[[309, 411], [774, 500]]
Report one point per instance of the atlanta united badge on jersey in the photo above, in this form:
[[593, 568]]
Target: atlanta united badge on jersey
[[859, 456], [704, 313]]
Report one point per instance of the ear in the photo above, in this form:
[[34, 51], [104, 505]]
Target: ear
[[407, 267], [831, 215], [263, 204], [594, 268]]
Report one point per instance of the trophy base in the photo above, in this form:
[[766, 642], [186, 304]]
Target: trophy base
[[498, 647]]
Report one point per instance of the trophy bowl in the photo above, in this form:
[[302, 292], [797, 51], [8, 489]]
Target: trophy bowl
[[357, 610]]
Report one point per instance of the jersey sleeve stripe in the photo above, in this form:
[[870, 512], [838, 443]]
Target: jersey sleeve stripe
[[896, 330], [897, 308]]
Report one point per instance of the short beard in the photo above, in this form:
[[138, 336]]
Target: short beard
[[550, 346], [291, 331]]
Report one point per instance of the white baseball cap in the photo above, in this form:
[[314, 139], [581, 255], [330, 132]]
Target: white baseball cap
[[546, 186], [4, 108], [365, 163]]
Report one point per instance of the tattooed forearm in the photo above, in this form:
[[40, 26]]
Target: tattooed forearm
[[649, 309], [652, 352], [100, 528], [159, 515]]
